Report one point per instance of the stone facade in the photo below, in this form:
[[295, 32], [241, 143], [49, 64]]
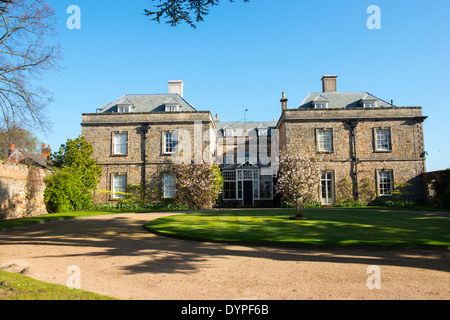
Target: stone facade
[[352, 152], [372, 144], [145, 159]]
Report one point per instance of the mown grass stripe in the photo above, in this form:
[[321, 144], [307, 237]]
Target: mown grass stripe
[[325, 226]]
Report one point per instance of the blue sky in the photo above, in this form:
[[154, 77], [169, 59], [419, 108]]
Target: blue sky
[[245, 55]]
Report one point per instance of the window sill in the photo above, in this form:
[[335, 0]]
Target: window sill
[[119, 155], [382, 151]]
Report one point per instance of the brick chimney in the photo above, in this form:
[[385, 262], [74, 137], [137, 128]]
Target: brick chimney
[[12, 147], [45, 151], [283, 101], [329, 83], [217, 118], [176, 86]]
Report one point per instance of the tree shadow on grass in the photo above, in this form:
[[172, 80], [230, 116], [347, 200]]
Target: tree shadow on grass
[[124, 237]]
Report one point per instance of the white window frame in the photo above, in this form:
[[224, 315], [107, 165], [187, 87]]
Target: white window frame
[[263, 132], [382, 138], [262, 186], [173, 141], [327, 177], [171, 108], [229, 158], [119, 148], [320, 105], [247, 175], [169, 186], [385, 182], [115, 188], [123, 109], [325, 140], [264, 158], [369, 104], [228, 132], [229, 177]]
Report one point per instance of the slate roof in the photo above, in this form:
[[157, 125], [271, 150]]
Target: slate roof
[[341, 99], [148, 103], [25, 157]]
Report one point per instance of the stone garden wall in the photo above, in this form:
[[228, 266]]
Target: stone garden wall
[[21, 191]]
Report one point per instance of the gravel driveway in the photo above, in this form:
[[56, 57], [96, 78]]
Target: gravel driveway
[[117, 257]]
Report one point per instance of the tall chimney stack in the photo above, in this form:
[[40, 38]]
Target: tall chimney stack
[[11, 149], [329, 83], [45, 151], [176, 86], [284, 101]]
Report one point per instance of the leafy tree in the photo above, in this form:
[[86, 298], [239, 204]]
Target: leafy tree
[[139, 194], [76, 176], [65, 191], [198, 185], [402, 190], [442, 186], [22, 138], [182, 11], [25, 27], [77, 155]]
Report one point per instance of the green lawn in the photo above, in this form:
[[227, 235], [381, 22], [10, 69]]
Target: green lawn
[[325, 227], [17, 287]]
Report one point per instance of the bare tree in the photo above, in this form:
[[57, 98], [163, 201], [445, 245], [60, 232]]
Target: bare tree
[[25, 26], [182, 11], [20, 137]]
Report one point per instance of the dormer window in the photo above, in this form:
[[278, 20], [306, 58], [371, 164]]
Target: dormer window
[[123, 109], [262, 132], [320, 102], [369, 104], [171, 108], [320, 105], [369, 101], [228, 132]]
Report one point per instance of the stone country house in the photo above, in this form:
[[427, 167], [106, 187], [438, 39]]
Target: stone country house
[[363, 140]]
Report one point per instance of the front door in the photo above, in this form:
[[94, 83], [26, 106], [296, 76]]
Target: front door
[[248, 193]]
